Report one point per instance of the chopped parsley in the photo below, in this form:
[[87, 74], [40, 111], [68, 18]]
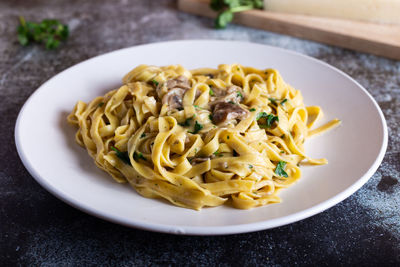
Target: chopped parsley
[[269, 118], [143, 135], [100, 104], [283, 101], [252, 109], [231, 102], [216, 153], [122, 155], [186, 122], [210, 117], [239, 94], [280, 169], [273, 100], [138, 156], [155, 82], [197, 127], [261, 115], [227, 137], [250, 166], [211, 92], [198, 107]]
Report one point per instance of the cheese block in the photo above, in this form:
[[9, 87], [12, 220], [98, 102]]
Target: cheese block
[[380, 11]]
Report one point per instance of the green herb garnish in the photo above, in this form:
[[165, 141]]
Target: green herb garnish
[[283, 101], [252, 109], [269, 118], [261, 115], [197, 127], [100, 104], [210, 116], [280, 169], [211, 92], [186, 122], [250, 166], [137, 156], [231, 102], [198, 107], [239, 94], [143, 135], [227, 8], [155, 82], [273, 100], [122, 155], [50, 32]]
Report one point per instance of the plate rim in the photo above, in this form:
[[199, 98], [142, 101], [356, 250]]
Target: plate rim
[[205, 230]]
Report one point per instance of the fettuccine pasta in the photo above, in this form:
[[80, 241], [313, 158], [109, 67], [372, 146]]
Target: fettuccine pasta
[[203, 137]]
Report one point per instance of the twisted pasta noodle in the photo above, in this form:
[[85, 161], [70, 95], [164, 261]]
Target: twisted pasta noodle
[[202, 137]]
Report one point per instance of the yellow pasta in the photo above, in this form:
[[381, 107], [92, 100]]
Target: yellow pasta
[[203, 137]]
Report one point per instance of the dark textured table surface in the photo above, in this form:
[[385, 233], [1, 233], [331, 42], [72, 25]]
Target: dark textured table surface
[[38, 229]]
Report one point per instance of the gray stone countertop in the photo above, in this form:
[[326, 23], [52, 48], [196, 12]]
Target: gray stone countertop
[[38, 229]]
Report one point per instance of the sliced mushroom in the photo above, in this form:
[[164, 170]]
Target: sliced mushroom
[[172, 92], [232, 93], [179, 82], [228, 111], [174, 98]]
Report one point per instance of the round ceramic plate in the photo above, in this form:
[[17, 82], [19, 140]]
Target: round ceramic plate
[[46, 144]]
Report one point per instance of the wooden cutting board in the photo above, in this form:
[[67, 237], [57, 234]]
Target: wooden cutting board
[[378, 39]]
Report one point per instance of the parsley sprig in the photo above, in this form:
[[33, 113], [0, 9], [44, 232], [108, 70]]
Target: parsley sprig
[[122, 155], [49, 32], [227, 8], [197, 127], [270, 119], [280, 169]]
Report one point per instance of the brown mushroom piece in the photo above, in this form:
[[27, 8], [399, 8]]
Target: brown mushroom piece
[[174, 98], [224, 111], [176, 88], [232, 93], [179, 82]]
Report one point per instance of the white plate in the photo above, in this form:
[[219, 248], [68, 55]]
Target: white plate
[[46, 144]]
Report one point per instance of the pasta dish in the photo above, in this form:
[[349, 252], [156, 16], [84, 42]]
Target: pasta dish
[[203, 137]]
